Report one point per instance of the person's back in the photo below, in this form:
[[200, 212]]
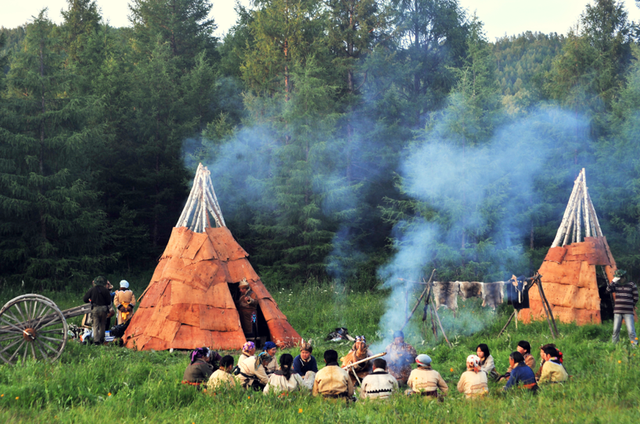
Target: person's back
[[222, 377], [521, 373], [124, 301], [380, 384], [278, 382], [253, 371], [100, 298], [473, 384], [199, 370], [332, 381], [425, 380]]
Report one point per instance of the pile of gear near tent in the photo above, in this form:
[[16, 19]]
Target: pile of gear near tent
[[577, 267], [189, 302]]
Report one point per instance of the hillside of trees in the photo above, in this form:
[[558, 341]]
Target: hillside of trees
[[356, 140]]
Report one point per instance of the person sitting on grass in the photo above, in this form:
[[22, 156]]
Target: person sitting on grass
[[271, 349], [253, 372], [542, 361], [525, 349], [521, 373], [248, 350], [285, 380], [379, 384], [332, 381], [201, 366], [487, 363], [358, 352], [222, 376], [473, 382], [305, 361], [425, 380], [552, 370]]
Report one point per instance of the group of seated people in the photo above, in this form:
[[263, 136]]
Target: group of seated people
[[261, 372]]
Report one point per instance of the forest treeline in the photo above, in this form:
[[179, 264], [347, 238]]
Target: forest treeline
[[326, 124]]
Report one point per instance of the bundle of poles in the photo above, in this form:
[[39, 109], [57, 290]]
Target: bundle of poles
[[429, 308]]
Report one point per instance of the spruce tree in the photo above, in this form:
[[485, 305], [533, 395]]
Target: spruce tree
[[52, 228]]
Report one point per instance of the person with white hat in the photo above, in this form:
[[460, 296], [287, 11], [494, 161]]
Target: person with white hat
[[124, 301], [425, 380], [473, 382]]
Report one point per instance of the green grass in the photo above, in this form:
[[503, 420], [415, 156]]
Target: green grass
[[111, 384]]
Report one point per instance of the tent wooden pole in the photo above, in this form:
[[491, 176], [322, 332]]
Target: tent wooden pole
[[579, 219], [566, 216], [587, 212]]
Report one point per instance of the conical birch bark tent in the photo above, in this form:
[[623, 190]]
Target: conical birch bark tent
[[188, 302], [578, 256]]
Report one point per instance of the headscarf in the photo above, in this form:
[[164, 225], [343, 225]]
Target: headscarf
[[263, 356], [423, 360], [306, 346], [248, 346], [199, 353], [269, 345], [359, 339], [475, 361]]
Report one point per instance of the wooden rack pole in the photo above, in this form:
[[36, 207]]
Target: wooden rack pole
[[419, 299], [508, 322]]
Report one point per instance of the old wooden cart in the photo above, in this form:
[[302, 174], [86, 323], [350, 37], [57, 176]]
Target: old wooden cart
[[32, 326]]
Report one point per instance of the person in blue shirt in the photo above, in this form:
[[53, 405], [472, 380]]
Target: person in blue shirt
[[521, 373], [305, 361]]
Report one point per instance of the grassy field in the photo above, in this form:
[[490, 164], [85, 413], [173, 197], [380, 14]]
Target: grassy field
[[111, 384]]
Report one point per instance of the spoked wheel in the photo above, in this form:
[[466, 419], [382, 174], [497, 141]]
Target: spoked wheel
[[31, 326]]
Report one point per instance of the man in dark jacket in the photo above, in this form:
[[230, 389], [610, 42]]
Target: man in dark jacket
[[100, 299], [626, 295]]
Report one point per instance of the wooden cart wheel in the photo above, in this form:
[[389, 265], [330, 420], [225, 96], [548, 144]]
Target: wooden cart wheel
[[31, 326]]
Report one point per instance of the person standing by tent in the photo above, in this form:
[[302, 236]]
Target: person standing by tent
[[247, 308], [124, 302], [400, 356], [626, 297], [100, 299]]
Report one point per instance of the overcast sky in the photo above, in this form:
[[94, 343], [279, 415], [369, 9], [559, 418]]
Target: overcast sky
[[500, 17]]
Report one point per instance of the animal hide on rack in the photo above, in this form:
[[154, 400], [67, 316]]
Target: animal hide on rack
[[469, 289], [446, 293], [492, 294]]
